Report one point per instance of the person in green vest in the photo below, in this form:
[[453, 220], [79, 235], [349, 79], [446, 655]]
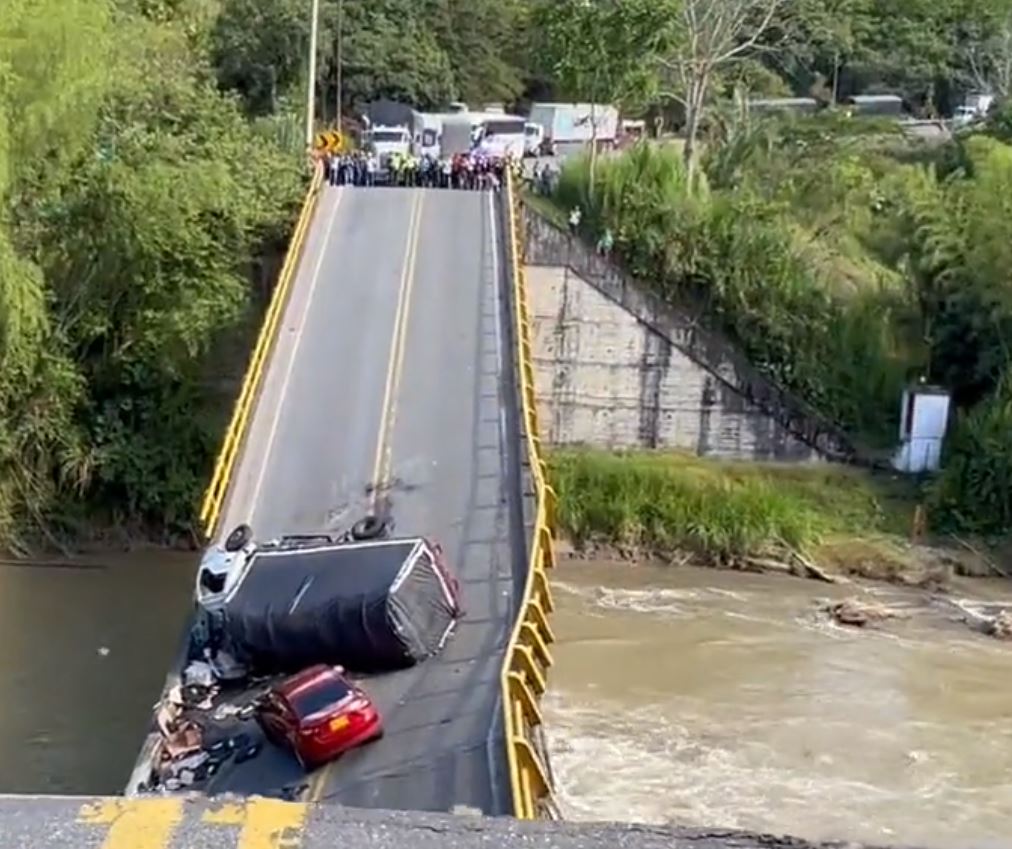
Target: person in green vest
[[605, 243]]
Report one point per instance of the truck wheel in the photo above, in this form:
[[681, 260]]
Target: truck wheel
[[371, 527], [239, 538]]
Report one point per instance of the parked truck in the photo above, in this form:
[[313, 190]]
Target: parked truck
[[974, 107], [457, 135], [575, 123]]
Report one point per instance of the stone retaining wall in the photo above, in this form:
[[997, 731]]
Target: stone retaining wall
[[617, 367]]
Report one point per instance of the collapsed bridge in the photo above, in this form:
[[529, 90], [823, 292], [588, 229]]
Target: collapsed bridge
[[393, 376]]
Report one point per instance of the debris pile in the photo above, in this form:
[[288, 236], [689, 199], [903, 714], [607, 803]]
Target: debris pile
[[989, 619], [1000, 627], [197, 731], [857, 613]]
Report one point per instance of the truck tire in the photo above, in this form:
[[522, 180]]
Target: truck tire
[[241, 535], [370, 527]]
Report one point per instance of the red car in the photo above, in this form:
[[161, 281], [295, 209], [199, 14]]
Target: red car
[[318, 714]]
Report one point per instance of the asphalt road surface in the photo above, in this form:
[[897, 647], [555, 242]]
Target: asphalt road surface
[[386, 389]]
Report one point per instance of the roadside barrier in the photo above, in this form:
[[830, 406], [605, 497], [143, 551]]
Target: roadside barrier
[[528, 658], [217, 489]]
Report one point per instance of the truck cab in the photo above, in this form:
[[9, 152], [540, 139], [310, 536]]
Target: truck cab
[[500, 135], [534, 135], [385, 141], [222, 566]]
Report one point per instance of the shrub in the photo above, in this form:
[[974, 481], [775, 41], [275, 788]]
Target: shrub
[[725, 511], [738, 253], [974, 491]]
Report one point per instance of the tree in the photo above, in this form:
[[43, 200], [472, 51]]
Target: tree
[[604, 51], [986, 47], [259, 49], [910, 49], [713, 34], [389, 50], [822, 36], [127, 234], [481, 38]]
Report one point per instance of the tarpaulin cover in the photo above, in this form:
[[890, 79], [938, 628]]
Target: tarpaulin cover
[[370, 607]]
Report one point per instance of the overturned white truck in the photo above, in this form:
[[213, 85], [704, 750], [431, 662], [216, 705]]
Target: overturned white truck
[[361, 600]]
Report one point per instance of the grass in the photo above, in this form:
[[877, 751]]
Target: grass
[[725, 512], [548, 208]]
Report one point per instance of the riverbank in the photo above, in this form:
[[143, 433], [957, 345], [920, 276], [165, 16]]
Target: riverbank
[[817, 521]]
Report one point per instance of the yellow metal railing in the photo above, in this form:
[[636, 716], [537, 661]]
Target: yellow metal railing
[[214, 496], [528, 656]]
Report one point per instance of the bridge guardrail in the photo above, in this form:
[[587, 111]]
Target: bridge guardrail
[[528, 656], [214, 495]]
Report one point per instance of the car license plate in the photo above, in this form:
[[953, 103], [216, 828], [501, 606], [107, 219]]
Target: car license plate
[[339, 723]]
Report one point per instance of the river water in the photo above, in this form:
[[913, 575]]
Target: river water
[[84, 649], [684, 695], [713, 698]]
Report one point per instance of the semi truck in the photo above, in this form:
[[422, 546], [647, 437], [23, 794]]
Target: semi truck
[[575, 123]]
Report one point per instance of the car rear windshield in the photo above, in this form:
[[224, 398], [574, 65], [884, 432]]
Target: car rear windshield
[[319, 697], [387, 136]]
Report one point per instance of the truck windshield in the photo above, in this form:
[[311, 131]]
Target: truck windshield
[[505, 128], [387, 136], [319, 697]]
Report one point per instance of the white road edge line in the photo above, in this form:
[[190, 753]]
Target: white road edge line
[[251, 504], [497, 297]]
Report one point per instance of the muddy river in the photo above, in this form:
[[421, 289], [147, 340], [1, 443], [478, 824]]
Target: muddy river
[[711, 698], [678, 695], [84, 649]]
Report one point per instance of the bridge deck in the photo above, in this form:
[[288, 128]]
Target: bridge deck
[[393, 365]]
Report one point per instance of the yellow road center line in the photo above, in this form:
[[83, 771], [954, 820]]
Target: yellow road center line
[[400, 323], [272, 824], [402, 345], [318, 783], [135, 823]]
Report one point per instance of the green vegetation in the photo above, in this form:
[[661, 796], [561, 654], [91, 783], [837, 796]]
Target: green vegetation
[[846, 259], [151, 165], [723, 512], [424, 52], [845, 268], [137, 202]]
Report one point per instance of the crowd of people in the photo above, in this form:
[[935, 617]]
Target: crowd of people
[[544, 179], [359, 168], [461, 171]]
